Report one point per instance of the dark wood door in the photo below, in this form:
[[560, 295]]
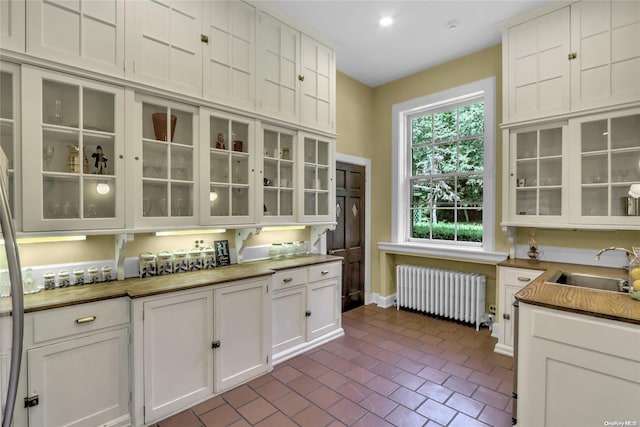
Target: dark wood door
[[347, 240]]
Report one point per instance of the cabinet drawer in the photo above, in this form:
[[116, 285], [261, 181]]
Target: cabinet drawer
[[518, 276], [78, 319], [324, 271], [287, 278]]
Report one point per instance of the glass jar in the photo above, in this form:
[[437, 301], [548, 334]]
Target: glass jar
[[300, 248], [106, 273], [49, 280], [275, 251], [288, 249], [634, 274]]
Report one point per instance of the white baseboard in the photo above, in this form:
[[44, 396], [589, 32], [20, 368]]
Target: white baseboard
[[507, 350], [304, 347], [384, 302], [495, 331]]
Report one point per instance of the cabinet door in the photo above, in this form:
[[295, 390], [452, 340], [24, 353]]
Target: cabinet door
[[324, 305], [278, 68], [227, 152], [229, 55], [508, 313], [84, 33], [80, 382], [538, 80], [74, 170], [165, 162], [167, 51], [318, 201], [12, 24], [288, 321], [278, 175], [537, 175], [606, 70], [317, 103], [178, 360], [10, 134], [607, 154], [242, 326]]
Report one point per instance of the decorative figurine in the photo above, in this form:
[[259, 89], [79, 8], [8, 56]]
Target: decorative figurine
[[220, 142], [101, 161], [533, 253]]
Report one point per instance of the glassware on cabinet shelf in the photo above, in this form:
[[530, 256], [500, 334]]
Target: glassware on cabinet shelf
[[276, 251]]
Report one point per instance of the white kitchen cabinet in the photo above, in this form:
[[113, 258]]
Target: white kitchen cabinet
[[85, 34], [306, 308], [605, 159], [568, 360], [277, 68], [165, 163], [73, 140], [242, 332], [10, 131], [573, 59], [537, 69], [77, 365], [279, 175], [229, 54], [178, 359], [318, 190], [604, 37], [510, 281], [537, 175], [317, 87], [12, 24], [227, 156], [164, 44]]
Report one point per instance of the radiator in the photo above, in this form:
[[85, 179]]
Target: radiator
[[450, 294]]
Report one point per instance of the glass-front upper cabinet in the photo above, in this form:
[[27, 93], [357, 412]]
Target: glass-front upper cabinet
[[10, 133], [227, 156], [166, 163], [607, 155], [317, 182], [536, 175], [73, 163], [278, 175]]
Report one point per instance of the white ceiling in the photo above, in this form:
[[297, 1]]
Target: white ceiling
[[417, 40]]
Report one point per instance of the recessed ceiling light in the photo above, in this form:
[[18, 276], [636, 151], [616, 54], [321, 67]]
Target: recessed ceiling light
[[385, 21]]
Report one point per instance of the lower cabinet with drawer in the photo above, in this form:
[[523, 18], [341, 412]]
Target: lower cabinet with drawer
[[76, 366], [306, 309], [191, 345], [510, 280]]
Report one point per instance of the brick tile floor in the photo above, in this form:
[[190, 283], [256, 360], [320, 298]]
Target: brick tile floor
[[392, 368]]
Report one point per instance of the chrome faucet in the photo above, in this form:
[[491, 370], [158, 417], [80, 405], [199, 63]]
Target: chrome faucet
[[630, 255]]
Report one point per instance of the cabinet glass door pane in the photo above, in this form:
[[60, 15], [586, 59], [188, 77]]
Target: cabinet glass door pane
[[61, 197], [94, 114], [60, 104], [278, 169], [240, 201], [219, 200], [154, 199]]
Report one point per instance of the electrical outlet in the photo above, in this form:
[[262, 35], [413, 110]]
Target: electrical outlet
[[492, 308], [492, 318]]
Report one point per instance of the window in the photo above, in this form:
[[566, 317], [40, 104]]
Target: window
[[444, 175]]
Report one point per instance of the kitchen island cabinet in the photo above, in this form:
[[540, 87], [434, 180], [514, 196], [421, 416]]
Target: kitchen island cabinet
[[575, 369]]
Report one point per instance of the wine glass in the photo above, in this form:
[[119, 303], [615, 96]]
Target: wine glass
[[146, 206], [47, 154]]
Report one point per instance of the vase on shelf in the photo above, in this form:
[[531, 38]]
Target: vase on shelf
[[160, 125]]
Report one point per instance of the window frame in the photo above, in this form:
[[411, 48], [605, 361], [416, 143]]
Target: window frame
[[484, 90]]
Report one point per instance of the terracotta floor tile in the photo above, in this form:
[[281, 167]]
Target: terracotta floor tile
[[455, 357], [322, 356], [403, 417], [360, 375], [314, 369], [239, 396], [299, 361], [323, 397], [378, 404], [365, 361], [291, 403], [208, 405], [386, 370], [313, 416], [382, 385], [457, 370], [408, 380], [504, 373], [240, 423], [490, 397], [465, 404], [260, 381], [462, 420], [257, 410], [346, 411], [389, 357], [505, 387], [182, 419], [272, 390], [333, 379], [410, 365], [432, 360], [354, 391], [432, 423], [304, 384], [277, 420], [371, 420], [286, 373], [223, 415], [437, 411], [495, 417], [461, 386], [433, 375], [408, 398], [435, 391]]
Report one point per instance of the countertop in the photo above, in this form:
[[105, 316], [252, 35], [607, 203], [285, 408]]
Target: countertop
[[575, 299], [138, 288]]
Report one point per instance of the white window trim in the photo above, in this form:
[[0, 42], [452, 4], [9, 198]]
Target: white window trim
[[400, 185]]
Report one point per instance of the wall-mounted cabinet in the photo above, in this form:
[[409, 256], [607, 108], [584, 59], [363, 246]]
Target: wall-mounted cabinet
[[279, 176], [227, 155], [10, 129], [12, 24], [317, 183], [74, 176], [166, 163], [85, 34], [572, 59]]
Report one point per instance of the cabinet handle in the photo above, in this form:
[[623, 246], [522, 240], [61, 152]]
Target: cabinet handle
[[572, 55], [506, 316], [523, 279], [323, 272], [204, 38], [121, 156], [301, 77], [137, 158], [307, 313], [87, 319], [288, 279]]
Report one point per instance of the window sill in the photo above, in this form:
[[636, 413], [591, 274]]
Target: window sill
[[462, 254]]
